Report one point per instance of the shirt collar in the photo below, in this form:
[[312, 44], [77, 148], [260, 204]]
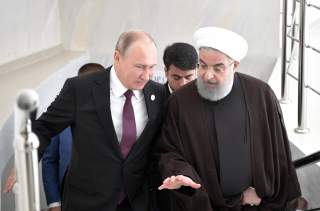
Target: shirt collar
[[170, 90], [118, 89]]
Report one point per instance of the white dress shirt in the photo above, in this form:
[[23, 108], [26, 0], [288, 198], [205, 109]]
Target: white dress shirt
[[54, 204], [117, 100], [170, 90]]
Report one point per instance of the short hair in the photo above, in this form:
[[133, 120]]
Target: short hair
[[182, 55], [90, 68], [127, 38]]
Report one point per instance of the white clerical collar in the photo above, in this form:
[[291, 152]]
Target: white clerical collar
[[118, 89]]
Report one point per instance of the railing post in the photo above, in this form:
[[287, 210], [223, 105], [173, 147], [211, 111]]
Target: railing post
[[302, 128], [293, 25], [284, 90], [26, 146]]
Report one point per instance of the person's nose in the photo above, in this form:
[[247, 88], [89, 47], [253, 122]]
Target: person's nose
[[183, 81], [146, 75], [209, 75]]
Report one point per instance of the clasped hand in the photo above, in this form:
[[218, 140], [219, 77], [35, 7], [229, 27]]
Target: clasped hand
[[250, 197]]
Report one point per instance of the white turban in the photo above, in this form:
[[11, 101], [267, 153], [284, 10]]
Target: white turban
[[225, 41]]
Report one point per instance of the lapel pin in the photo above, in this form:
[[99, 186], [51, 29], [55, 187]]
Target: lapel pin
[[153, 97]]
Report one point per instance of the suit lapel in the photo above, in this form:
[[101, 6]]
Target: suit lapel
[[152, 100], [101, 95]]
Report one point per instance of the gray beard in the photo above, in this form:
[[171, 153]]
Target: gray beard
[[217, 93]]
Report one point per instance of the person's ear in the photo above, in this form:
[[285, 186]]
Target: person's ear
[[116, 56], [235, 65]]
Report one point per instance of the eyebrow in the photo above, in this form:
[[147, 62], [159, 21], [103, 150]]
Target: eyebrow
[[175, 75], [144, 65], [182, 76], [216, 65], [188, 75]]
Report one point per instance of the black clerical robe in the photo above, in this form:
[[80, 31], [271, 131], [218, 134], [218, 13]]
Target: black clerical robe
[[187, 148]]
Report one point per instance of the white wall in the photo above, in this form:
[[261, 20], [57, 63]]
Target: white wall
[[96, 25], [27, 26]]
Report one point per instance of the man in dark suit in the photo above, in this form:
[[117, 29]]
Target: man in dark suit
[[56, 158], [114, 117], [180, 60]]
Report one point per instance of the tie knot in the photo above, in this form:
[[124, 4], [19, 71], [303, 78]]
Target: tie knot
[[128, 94]]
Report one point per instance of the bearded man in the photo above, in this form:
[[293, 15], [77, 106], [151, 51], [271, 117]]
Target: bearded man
[[223, 145]]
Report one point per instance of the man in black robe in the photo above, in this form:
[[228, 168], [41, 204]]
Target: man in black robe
[[223, 145]]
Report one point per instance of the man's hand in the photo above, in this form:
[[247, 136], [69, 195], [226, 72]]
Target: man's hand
[[250, 197], [11, 180], [175, 182], [55, 209]]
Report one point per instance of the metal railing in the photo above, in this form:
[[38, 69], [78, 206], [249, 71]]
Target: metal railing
[[306, 161], [302, 102], [27, 188]]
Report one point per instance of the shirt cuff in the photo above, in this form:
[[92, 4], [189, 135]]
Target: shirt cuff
[[54, 204]]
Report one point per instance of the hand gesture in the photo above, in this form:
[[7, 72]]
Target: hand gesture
[[175, 182]]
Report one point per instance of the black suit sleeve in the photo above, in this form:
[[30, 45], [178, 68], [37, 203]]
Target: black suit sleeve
[[59, 115]]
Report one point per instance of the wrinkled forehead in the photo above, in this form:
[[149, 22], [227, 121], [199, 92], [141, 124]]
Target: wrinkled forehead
[[212, 55], [144, 47]]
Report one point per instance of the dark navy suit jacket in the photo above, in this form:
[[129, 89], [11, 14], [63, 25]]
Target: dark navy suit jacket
[[97, 172], [55, 162]]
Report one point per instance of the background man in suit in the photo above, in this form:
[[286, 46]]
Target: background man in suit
[[180, 60], [57, 156], [114, 118]]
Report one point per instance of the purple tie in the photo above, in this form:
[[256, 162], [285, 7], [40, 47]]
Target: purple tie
[[129, 133]]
